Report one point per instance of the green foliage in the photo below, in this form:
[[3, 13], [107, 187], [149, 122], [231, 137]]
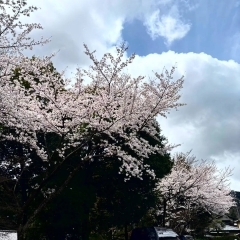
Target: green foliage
[[99, 197], [233, 213], [120, 202], [200, 222], [18, 75]]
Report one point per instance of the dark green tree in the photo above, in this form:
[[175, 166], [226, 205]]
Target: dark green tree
[[98, 199]]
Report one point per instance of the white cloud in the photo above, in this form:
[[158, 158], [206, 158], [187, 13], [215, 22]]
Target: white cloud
[[169, 26], [100, 24], [209, 123], [72, 23]]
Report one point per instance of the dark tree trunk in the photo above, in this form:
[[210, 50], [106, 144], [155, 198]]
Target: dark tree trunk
[[23, 216], [20, 233]]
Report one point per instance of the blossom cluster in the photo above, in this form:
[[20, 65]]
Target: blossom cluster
[[197, 184], [113, 104]]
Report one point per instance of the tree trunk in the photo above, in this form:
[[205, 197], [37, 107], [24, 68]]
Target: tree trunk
[[23, 217], [20, 233], [87, 206]]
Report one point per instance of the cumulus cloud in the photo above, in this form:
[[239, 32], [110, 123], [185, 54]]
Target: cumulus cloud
[[71, 23], [209, 123], [100, 24], [169, 26]]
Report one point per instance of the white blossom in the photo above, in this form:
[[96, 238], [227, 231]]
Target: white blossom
[[113, 104]]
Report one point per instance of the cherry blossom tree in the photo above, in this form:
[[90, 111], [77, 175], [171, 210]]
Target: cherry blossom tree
[[14, 35], [93, 119], [113, 104], [194, 187], [14, 40]]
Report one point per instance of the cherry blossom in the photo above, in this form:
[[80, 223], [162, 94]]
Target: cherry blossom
[[112, 103], [113, 107], [195, 185]]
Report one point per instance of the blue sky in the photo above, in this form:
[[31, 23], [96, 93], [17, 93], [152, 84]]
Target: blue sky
[[215, 29], [200, 37]]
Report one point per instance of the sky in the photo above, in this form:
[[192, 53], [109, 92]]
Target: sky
[[201, 38]]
